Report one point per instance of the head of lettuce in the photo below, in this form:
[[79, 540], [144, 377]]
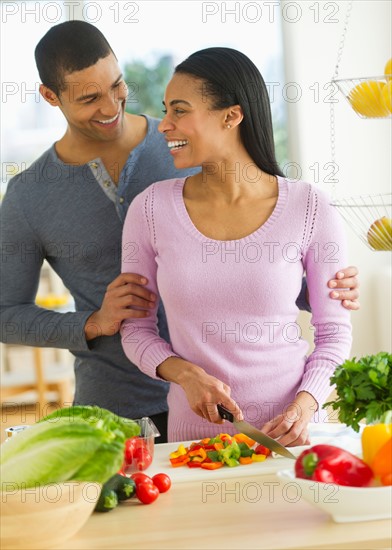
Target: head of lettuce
[[81, 443]]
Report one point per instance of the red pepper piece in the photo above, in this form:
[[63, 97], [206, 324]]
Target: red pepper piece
[[330, 464], [194, 464], [261, 450]]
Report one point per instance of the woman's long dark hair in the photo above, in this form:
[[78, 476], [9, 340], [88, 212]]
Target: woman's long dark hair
[[231, 78]]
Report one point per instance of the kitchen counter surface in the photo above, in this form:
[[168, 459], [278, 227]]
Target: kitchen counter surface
[[247, 507], [255, 512]]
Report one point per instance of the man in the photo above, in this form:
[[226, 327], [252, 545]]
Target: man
[[69, 208]]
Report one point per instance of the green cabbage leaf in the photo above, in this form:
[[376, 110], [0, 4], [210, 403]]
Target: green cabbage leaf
[[74, 443]]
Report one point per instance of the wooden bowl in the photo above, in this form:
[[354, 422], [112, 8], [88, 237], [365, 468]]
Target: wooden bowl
[[44, 516]]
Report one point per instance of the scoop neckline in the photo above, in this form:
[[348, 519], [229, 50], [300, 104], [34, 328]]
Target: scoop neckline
[[190, 227]]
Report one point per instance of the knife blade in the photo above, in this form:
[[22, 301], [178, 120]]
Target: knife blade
[[254, 433]]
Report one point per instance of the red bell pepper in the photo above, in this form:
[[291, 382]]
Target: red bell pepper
[[330, 464]]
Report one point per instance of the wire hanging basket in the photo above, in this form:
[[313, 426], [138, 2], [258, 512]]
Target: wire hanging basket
[[369, 97], [370, 216]]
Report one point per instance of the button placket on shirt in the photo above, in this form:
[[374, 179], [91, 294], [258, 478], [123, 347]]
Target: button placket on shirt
[[104, 180]]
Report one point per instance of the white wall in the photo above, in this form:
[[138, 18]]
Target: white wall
[[363, 147]]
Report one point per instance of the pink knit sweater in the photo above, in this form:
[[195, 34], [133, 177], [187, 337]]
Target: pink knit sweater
[[230, 305]]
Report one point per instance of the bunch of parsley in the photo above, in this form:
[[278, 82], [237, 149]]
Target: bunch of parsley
[[364, 389]]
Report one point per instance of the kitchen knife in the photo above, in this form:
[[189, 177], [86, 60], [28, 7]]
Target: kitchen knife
[[254, 433]]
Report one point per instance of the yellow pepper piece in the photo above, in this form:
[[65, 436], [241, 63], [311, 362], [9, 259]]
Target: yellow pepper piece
[[373, 438], [258, 458], [179, 452], [198, 453]]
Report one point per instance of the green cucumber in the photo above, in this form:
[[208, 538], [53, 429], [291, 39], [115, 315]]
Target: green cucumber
[[124, 486], [107, 501]]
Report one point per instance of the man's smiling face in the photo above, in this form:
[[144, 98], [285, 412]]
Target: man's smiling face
[[93, 101]]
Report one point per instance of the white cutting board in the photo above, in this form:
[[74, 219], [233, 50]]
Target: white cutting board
[[331, 434]]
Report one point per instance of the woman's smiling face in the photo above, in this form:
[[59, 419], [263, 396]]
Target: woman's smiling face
[[192, 129]]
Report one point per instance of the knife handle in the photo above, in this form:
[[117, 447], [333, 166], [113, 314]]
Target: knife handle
[[224, 413]]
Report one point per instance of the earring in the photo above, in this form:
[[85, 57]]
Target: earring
[[228, 126]]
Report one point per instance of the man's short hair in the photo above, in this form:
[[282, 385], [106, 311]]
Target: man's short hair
[[68, 47]]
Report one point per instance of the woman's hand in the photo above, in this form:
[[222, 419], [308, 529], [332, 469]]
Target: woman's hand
[[203, 391], [291, 427], [122, 296]]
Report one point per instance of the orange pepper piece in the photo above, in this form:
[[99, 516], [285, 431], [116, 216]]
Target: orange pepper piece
[[245, 460], [242, 438], [382, 462], [211, 465], [180, 461]]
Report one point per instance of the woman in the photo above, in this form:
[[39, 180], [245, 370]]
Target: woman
[[226, 249]]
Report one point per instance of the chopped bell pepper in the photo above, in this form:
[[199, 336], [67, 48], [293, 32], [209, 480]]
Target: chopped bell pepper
[[214, 456], [230, 453], [330, 464], [198, 453], [258, 458], [224, 437], [245, 460], [245, 450], [194, 464], [179, 452], [211, 465], [232, 462], [242, 438], [261, 450], [179, 461], [197, 459], [213, 440]]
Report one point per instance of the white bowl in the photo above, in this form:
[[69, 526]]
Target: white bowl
[[45, 516], [344, 504]]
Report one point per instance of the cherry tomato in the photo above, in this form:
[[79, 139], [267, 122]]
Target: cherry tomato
[[137, 453], [142, 458], [146, 492], [138, 477], [140, 444], [129, 450], [162, 481]]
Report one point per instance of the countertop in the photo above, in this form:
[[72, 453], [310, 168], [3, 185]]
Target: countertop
[[244, 509], [239, 513]]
